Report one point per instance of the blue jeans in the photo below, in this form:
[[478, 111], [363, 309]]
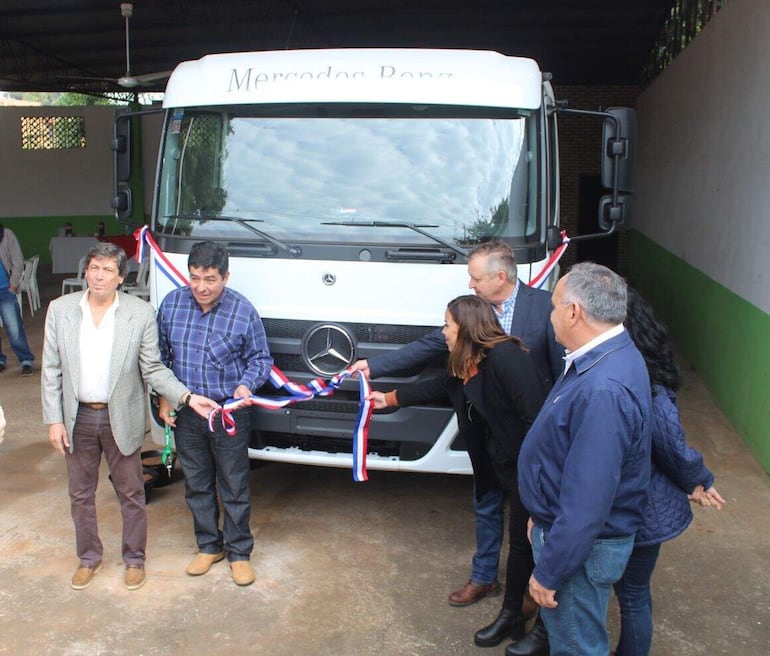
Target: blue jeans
[[635, 599], [211, 462], [577, 626], [489, 536], [11, 317]]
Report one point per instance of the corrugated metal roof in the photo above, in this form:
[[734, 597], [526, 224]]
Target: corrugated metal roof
[[50, 44]]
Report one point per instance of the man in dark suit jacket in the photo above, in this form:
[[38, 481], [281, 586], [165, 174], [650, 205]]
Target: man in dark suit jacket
[[531, 323], [524, 312]]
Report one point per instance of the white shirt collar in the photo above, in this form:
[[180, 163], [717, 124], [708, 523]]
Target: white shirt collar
[[84, 301], [571, 356]]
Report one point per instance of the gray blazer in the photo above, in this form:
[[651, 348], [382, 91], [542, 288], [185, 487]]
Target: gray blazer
[[135, 361]]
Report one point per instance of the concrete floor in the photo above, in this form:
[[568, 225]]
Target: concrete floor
[[342, 568]]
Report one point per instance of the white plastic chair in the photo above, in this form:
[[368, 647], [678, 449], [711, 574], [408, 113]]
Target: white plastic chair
[[33, 281], [141, 286], [75, 284], [142, 274], [29, 285]]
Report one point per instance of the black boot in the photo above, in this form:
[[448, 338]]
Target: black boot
[[535, 643], [509, 624]]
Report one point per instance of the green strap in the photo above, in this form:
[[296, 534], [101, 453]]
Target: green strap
[[166, 457]]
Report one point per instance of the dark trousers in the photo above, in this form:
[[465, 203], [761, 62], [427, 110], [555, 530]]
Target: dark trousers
[[91, 436], [520, 561], [217, 462]]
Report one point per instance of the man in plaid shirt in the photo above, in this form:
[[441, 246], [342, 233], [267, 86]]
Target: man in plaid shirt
[[214, 341]]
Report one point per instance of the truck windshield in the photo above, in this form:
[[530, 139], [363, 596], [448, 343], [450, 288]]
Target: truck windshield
[[307, 174]]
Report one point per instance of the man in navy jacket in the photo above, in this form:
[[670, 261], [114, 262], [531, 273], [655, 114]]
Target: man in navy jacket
[[584, 467], [525, 313]]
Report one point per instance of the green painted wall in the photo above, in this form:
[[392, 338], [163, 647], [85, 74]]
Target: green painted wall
[[724, 337], [35, 232]]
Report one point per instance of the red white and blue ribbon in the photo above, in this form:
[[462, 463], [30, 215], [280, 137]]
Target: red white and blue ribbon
[[299, 393], [146, 245], [296, 391], [539, 280]]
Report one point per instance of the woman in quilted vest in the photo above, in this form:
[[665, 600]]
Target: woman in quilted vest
[[678, 476]]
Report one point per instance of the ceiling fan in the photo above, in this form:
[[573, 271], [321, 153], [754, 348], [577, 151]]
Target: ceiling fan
[[129, 80]]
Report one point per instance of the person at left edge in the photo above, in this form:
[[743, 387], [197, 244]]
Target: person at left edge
[[11, 268], [214, 341], [100, 348]]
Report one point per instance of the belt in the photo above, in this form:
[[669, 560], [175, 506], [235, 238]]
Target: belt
[[94, 406]]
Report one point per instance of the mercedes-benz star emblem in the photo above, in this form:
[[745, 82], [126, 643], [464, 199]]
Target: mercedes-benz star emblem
[[329, 279], [328, 349]]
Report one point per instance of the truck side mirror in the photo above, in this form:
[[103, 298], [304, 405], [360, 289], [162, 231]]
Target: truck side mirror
[[619, 152], [121, 148], [618, 155], [122, 202], [617, 216]]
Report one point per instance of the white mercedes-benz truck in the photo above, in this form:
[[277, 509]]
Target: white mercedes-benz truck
[[348, 186]]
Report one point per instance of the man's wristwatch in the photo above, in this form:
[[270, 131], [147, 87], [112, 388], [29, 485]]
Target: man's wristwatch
[[186, 399]]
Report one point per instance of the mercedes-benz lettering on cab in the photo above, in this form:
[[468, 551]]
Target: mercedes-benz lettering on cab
[[347, 186]]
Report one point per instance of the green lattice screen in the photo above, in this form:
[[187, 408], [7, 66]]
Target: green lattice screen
[[52, 132]]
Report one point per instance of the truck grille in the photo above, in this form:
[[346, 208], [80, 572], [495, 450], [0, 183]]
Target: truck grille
[[285, 337], [363, 332]]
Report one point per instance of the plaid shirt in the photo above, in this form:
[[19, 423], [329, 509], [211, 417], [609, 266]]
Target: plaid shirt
[[213, 352], [508, 307]]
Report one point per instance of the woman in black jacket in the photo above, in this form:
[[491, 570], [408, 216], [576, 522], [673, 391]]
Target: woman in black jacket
[[496, 392]]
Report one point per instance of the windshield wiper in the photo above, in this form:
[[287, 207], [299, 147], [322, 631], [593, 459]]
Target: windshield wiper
[[294, 251], [397, 224]]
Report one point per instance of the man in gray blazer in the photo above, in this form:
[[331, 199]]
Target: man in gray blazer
[[100, 348]]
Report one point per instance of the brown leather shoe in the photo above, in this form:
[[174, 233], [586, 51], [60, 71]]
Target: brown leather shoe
[[84, 576], [202, 563], [134, 577], [243, 572], [472, 592]]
